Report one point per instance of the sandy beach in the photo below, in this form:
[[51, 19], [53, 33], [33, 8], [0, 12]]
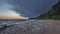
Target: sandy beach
[[33, 27]]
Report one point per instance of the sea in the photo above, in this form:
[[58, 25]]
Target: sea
[[12, 22]]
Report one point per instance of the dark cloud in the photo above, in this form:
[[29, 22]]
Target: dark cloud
[[31, 8]]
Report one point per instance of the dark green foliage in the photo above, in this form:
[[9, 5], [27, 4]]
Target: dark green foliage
[[53, 14]]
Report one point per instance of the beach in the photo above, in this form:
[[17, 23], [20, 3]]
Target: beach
[[33, 27]]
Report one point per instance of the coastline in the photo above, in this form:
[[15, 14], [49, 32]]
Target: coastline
[[34, 27]]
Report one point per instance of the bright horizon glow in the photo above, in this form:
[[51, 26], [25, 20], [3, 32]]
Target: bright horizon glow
[[12, 17], [9, 14]]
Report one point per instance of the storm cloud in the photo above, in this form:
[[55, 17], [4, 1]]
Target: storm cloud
[[31, 8]]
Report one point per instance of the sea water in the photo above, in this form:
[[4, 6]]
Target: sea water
[[11, 22]]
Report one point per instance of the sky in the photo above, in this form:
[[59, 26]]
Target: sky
[[24, 9], [6, 13]]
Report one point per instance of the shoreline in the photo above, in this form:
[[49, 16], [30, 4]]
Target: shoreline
[[34, 27]]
